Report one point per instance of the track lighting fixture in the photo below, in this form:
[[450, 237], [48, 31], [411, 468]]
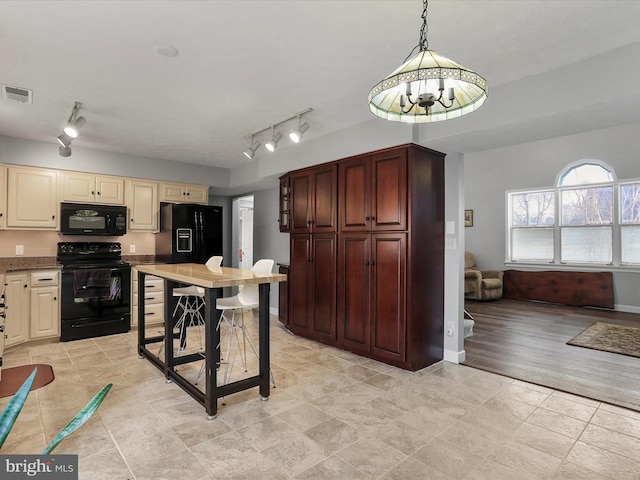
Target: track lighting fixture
[[64, 151], [75, 123], [64, 140], [70, 131], [251, 151], [272, 144], [296, 135]]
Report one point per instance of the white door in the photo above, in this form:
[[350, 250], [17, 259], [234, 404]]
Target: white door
[[246, 238]]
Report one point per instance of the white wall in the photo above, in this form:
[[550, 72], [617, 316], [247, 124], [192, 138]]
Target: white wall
[[490, 173]]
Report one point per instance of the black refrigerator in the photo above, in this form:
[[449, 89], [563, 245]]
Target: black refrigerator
[[189, 233]]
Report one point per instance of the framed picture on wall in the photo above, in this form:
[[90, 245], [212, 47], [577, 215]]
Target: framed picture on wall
[[468, 218]]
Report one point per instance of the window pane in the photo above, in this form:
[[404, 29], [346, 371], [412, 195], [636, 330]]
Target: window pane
[[587, 206], [630, 236], [630, 203], [531, 209], [586, 245], [532, 244], [585, 173]]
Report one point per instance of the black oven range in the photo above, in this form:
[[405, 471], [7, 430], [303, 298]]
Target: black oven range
[[95, 291]]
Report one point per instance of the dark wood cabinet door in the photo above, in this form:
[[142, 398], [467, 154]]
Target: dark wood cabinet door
[[323, 287], [389, 191], [283, 296], [299, 292], [388, 299], [354, 179], [354, 273], [300, 207], [324, 209]]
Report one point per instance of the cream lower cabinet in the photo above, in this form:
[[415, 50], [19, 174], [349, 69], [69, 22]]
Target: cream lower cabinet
[[142, 202], [45, 306], [185, 193], [153, 299], [32, 198], [83, 187], [16, 327]]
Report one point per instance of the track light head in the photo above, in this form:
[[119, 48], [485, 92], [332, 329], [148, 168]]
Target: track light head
[[73, 127], [64, 140], [64, 151], [296, 135], [272, 144], [251, 151]]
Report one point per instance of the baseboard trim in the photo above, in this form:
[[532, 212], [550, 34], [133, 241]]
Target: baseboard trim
[[454, 357], [627, 308]]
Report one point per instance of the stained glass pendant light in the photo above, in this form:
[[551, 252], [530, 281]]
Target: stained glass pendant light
[[427, 87]]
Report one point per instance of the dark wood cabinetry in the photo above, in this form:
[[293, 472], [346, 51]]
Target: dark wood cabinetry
[[313, 286], [283, 296], [376, 285], [314, 200], [373, 192]]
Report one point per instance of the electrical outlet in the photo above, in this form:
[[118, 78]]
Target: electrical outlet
[[132, 249], [450, 329], [19, 249], [450, 243]]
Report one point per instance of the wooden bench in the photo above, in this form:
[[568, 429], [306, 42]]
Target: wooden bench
[[594, 289]]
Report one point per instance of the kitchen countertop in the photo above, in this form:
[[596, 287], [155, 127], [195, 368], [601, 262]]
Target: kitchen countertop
[[11, 264]]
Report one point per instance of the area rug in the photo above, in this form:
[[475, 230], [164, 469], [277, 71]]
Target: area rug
[[609, 338], [13, 378]]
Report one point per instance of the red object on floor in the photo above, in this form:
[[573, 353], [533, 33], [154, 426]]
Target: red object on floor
[[13, 378]]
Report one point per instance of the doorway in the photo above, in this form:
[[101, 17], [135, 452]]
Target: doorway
[[243, 232]]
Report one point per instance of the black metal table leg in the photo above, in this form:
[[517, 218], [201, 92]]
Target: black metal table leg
[[263, 339]]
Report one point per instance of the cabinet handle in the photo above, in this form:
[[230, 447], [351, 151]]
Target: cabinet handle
[[1, 214], [55, 298], [367, 218], [131, 220], [45, 279], [149, 313], [53, 217], [92, 192], [149, 298], [372, 218], [25, 286], [373, 263], [366, 263]]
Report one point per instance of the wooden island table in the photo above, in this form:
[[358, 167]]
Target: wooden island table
[[212, 279]]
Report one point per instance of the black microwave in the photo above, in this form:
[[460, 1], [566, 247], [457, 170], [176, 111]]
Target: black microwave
[[92, 219]]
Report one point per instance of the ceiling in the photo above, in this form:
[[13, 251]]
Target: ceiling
[[245, 65]]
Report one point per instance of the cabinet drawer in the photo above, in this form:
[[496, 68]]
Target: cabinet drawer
[[151, 284], [150, 297], [153, 313], [44, 278]]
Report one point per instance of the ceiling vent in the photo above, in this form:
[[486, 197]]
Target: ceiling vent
[[17, 94]]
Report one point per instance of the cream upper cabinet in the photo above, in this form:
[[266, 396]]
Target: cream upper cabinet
[[32, 198], [83, 187], [143, 205], [180, 192], [3, 196]]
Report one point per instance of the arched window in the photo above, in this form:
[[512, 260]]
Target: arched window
[[585, 171], [575, 222]]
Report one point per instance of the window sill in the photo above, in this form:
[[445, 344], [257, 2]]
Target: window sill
[[574, 267]]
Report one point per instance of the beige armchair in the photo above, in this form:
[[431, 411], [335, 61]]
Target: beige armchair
[[481, 285]]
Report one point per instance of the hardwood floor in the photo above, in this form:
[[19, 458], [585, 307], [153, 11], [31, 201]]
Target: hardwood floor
[[527, 341]]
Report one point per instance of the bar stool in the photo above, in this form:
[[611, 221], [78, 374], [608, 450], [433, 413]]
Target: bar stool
[[191, 300], [246, 299]]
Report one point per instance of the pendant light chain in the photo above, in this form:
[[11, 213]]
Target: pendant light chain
[[423, 43]]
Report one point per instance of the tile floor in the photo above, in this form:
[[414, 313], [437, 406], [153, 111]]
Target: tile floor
[[333, 415]]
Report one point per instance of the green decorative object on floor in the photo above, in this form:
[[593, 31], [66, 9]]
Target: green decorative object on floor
[[609, 337], [12, 410]]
